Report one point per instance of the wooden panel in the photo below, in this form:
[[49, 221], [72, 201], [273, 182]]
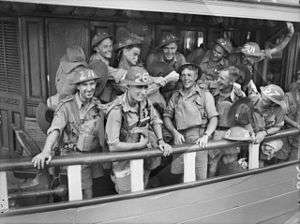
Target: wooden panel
[[34, 62], [60, 35]]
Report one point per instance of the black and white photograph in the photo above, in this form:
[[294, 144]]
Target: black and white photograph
[[149, 112]]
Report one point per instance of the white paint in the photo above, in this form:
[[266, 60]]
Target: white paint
[[189, 160], [198, 7], [253, 156], [3, 193], [74, 182], [137, 175]]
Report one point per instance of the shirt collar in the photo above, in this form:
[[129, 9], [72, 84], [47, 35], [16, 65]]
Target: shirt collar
[[79, 102], [195, 89], [126, 107]]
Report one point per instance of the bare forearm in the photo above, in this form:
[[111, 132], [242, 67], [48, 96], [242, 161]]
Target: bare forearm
[[291, 122], [126, 146], [272, 130], [212, 125], [50, 141], [169, 124], [158, 131]]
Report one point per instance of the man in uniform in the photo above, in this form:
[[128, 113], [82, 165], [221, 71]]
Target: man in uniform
[[77, 127], [167, 53], [251, 54], [102, 45], [214, 60], [225, 95], [134, 124], [195, 118]]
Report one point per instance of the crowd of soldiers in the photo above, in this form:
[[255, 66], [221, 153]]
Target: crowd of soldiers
[[102, 106]]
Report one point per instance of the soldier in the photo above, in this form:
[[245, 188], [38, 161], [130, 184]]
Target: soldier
[[225, 95], [77, 127], [195, 118], [133, 123], [103, 46], [167, 53], [251, 54], [129, 50], [214, 60]]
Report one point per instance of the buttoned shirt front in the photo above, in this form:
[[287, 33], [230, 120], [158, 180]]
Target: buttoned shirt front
[[192, 109]]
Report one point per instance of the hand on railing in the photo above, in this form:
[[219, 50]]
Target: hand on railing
[[165, 148], [40, 159], [202, 142], [259, 137]]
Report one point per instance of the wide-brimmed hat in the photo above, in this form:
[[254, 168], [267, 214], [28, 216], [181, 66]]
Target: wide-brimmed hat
[[274, 93], [137, 76], [83, 75], [44, 116], [99, 37], [125, 38], [237, 133], [240, 112], [166, 39], [225, 44], [187, 64]]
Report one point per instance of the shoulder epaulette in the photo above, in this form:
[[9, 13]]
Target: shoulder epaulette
[[64, 100]]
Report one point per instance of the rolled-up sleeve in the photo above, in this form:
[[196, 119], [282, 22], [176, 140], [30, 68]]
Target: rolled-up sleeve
[[169, 111], [113, 126], [59, 121], [210, 105]]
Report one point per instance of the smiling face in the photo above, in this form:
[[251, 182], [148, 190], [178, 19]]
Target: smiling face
[[104, 48], [86, 89], [170, 51], [137, 93], [132, 54], [217, 53], [224, 80], [188, 77]]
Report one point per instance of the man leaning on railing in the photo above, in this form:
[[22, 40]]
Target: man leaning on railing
[[76, 127]]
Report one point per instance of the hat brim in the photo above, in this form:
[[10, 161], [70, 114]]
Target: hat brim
[[100, 40], [78, 82], [160, 46], [182, 67], [44, 116], [280, 103], [118, 47]]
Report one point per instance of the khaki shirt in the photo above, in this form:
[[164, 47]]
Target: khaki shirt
[[211, 68], [175, 63], [122, 118], [224, 102], [194, 109], [68, 122]]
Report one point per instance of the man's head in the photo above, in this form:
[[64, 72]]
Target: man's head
[[251, 52], [168, 45], [85, 80], [227, 77], [272, 95], [102, 44], [221, 49], [189, 75], [132, 54], [137, 80]]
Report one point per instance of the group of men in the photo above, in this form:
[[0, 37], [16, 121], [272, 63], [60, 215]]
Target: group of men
[[168, 102]]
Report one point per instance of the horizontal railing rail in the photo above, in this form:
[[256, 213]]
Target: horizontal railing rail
[[87, 158], [74, 163]]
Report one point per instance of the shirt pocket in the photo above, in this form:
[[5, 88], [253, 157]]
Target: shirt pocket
[[201, 107]]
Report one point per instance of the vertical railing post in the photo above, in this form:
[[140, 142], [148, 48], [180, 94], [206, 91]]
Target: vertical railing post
[[137, 175], [189, 160], [3, 193], [253, 156], [74, 182]]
